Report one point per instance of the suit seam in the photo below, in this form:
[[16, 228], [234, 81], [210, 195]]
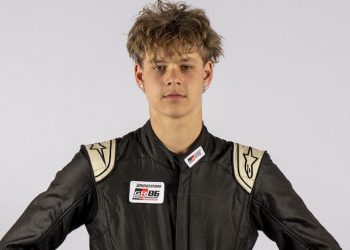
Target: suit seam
[[233, 170], [69, 209], [263, 156], [108, 223], [239, 227], [280, 224], [93, 180]]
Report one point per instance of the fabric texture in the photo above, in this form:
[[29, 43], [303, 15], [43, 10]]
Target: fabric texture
[[204, 207]]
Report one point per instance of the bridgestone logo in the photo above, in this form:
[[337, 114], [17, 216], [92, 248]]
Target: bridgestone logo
[[146, 192], [148, 186]]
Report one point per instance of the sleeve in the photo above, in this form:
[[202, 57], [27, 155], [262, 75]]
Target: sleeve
[[69, 202], [281, 214]]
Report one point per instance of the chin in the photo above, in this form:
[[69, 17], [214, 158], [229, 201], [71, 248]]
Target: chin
[[172, 112], [175, 115]]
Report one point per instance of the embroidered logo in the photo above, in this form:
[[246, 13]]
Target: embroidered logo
[[246, 164], [102, 157], [99, 148], [250, 159], [146, 192], [195, 156]]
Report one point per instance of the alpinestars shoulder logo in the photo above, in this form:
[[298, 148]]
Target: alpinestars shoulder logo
[[246, 164], [102, 157], [99, 148], [250, 159]]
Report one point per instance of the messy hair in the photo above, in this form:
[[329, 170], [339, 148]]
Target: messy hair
[[176, 28]]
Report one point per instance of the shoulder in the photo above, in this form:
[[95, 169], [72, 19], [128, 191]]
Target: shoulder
[[102, 157], [246, 165]]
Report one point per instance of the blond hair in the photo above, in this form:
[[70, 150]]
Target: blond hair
[[175, 27]]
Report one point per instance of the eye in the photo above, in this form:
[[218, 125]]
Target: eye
[[186, 67], [159, 68]]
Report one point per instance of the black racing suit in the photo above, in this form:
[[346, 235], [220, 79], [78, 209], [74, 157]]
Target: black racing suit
[[215, 197]]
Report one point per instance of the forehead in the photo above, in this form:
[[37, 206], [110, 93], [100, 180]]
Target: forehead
[[163, 55]]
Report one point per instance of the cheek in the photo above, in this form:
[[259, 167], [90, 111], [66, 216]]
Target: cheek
[[153, 82], [195, 77], [153, 91], [195, 83]]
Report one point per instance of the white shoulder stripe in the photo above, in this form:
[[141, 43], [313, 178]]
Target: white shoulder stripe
[[102, 157], [246, 163]]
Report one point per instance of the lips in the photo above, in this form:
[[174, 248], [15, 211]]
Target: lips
[[174, 96], [174, 93]]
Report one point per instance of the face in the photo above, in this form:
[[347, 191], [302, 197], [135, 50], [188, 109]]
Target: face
[[174, 85]]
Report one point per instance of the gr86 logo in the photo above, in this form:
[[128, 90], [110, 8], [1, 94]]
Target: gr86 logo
[[145, 194]]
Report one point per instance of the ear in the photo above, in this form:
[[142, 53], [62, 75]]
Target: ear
[[208, 74], [138, 74]]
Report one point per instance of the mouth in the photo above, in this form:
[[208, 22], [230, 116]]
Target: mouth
[[174, 96]]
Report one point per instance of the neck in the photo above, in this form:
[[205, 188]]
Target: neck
[[177, 134]]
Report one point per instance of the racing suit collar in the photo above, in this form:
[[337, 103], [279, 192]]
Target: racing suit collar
[[157, 150]]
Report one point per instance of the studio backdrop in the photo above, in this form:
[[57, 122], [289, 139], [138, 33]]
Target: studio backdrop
[[282, 86]]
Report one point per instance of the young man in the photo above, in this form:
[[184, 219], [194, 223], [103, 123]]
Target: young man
[[170, 184]]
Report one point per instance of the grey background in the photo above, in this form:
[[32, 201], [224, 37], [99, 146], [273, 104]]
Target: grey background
[[283, 86]]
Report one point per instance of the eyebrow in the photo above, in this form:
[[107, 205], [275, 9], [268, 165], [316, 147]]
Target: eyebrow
[[181, 60]]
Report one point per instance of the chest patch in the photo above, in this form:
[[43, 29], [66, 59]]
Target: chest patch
[[146, 192], [195, 156]]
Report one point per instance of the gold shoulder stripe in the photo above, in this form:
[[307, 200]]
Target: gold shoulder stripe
[[246, 163], [102, 157]]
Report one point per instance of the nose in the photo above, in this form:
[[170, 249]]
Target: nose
[[173, 76]]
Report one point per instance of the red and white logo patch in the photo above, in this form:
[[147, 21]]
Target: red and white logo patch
[[195, 156], [146, 192]]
